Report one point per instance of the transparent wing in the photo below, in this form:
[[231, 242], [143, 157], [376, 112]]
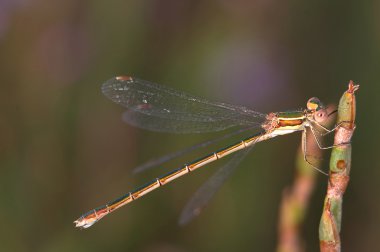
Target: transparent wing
[[158, 108], [204, 194], [158, 161], [174, 125]]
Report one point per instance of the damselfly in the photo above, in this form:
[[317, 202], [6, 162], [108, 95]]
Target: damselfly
[[158, 108]]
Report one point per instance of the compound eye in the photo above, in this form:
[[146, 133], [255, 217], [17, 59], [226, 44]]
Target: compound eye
[[314, 104], [320, 115]]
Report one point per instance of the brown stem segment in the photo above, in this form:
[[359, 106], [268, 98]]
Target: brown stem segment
[[295, 201], [340, 165]]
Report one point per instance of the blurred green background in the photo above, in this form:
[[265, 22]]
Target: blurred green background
[[64, 149]]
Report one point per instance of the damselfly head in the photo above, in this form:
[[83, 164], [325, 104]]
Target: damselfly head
[[320, 115], [315, 106]]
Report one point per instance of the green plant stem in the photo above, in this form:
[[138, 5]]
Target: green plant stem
[[340, 165]]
